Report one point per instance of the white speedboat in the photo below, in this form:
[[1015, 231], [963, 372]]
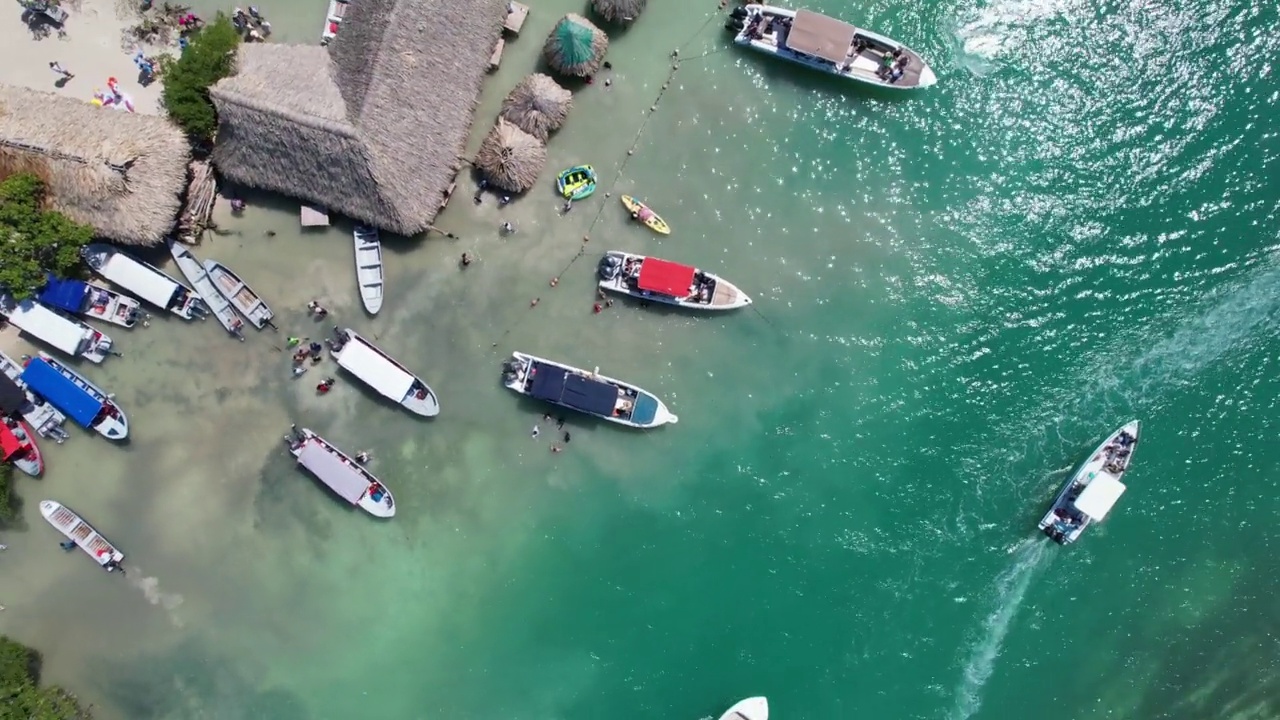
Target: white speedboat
[[585, 392], [649, 278], [143, 280], [754, 708], [239, 294], [194, 272], [92, 301], [82, 534], [1094, 489], [381, 372], [68, 335], [69, 391], [346, 477], [830, 46], [40, 415], [369, 267]]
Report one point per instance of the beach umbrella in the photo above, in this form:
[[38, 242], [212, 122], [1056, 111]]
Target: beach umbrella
[[619, 11], [575, 46], [511, 158], [537, 106]]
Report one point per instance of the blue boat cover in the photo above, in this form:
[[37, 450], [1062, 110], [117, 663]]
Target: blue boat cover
[[64, 294], [571, 390], [61, 392]]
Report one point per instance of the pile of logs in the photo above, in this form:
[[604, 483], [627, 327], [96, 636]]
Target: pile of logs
[[197, 210]]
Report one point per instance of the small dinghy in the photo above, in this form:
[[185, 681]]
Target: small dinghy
[[576, 183], [643, 215], [69, 391], [344, 476], [648, 278], [239, 294], [381, 372], [369, 267], [194, 272], [15, 398], [18, 447], [1094, 489], [143, 280], [91, 301], [585, 392], [756, 708], [83, 535]]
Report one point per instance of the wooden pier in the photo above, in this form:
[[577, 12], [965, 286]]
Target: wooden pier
[[516, 14]]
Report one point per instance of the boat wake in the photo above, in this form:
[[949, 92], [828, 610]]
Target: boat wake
[[150, 588], [1028, 558]]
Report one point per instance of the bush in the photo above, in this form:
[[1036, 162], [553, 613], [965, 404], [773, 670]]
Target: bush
[[210, 56], [20, 693], [35, 240], [6, 490]]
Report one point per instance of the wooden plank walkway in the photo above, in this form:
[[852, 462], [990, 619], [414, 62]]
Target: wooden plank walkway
[[516, 14]]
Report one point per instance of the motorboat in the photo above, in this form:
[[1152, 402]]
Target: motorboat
[[753, 708], [193, 270], [18, 447], [17, 398], [369, 274], [239, 294], [830, 46], [585, 392], [343, 475], [83, 535], [87, 404], [381, 372], [333, 20], [642, 214], [1094, 489], [92, 301], [68, 335], [653, 279], [145, 281]]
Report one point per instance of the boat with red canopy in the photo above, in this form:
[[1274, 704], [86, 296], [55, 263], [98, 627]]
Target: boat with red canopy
[[649, 278], [18, 446]]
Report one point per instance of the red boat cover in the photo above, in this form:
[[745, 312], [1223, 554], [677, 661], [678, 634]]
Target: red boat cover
[[9, 443], [665, 277]]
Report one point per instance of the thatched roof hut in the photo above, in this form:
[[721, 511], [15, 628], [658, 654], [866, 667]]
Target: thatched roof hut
[[121, 173], [537, 105], [575, 46], [511, 158], [370, 126], [619, 11]]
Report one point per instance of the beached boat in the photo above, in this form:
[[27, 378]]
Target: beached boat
[[755, 708], [369, 267], [643, 215], [577, 182], [145, 281], [17, 398], [92, 301], [191, 268], [829, 46], [65, 334], [82, 534], [346, 477], [18, 447], [1094, 489], [381, 372], [586, 392], [82, 401], [239, 294], [648, 278]]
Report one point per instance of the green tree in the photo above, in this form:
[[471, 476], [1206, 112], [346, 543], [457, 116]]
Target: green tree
[[34, 239], [6, 490], [22, 698], [210, 56]]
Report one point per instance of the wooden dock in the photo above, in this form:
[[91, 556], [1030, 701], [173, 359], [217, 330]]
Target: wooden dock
[[496, 58], [314, 216], [516, 14]]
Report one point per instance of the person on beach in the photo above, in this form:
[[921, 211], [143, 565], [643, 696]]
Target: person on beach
[[61, 71], [566, 437], [508, 229], [293, 342], [536, 431], [325, 385], [466, 259], [556, 448], [298, 370], [560, 422], [300, 356], [317, 309], [568, 205], [363, 457]]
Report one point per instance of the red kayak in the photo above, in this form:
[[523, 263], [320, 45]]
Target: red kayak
[[18, 446]]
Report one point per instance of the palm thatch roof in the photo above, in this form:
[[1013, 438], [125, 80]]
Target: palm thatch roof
[[619, 11], [121, 173], [370, 126], [575, 46], [511, 158], [537, 105]]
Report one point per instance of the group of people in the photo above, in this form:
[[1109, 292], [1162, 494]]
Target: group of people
[[537, 430], [1118, 452], [893, 65], [252, 25]]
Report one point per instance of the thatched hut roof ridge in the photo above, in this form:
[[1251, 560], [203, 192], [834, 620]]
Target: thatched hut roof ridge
[[575, 46], [511, 158], [538, 105]]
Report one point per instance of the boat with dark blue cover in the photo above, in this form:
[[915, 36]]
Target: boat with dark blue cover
[[586, 392], [82, 401], [92, 301]]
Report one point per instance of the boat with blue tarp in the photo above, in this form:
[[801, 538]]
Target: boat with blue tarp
[[39, 414], [92, 301], [585, 392], [82, 401]]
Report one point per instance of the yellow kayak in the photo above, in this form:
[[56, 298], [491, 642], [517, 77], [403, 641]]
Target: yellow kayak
[[641, 213]]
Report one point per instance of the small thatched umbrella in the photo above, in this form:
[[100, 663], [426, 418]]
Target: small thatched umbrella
[[619, 11], [511, 158], [575, 46], [537, 105]]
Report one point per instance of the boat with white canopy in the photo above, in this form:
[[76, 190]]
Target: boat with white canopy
[[585, 392], [650, 278], [754, 708], [369, 267], [239, 294], [65, 334], [193, 270], [83, 535], [43, 417], [144, 281], [87, 404], [1094, 489], [344, 476], [381, 372], [92, 301]]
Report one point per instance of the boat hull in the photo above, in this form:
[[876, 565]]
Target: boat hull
[[754, 708], [369, 271], [237, 292], [1063, 522], [382, 507], [723, 295], [420, 399], [47, 420], [193, 270], [67, 522], [126, 271], [31, 461], [112, 424], [119, 309], [654, 222], [655, 412]]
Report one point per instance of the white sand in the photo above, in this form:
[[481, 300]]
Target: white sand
[[93, 50]]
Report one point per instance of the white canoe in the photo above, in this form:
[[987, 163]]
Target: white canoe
[[657, 280], [82, 534], [369, 267], [68, 335], [47, 420], [18, 445], [754, 708], [143, 280], [585, 392], [381, 372], [343, 475], [87, 404], [239, 294], [194, 272]]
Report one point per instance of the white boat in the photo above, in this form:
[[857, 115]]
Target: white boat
[[65, 334], [72, 393], [92, 301], [586, 392], [143, 280], [239, 294], [18, 446], [82, 534], [47, 420], [333, 20], [754, 708], [346, 477], [1094, 489], [191, 268], [369, 267], [649, 278], [381, 372], [830, 46]]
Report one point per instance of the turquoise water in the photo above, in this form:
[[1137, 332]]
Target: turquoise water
[[958, 293]]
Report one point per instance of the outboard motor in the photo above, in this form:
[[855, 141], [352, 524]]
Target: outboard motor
[[610, 266], [739, 13], [733, 25]]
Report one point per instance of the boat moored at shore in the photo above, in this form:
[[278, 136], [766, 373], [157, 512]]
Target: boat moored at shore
[[369, 273], [82, 401], [343, 475], [753, 708], [92, 301], [193, 270], [649, 278], [585, 392], [41, 416], [381, 372], [83, 535], [1094, 489], [239, 294], [60, 332], [145, 281], [18, 447]]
